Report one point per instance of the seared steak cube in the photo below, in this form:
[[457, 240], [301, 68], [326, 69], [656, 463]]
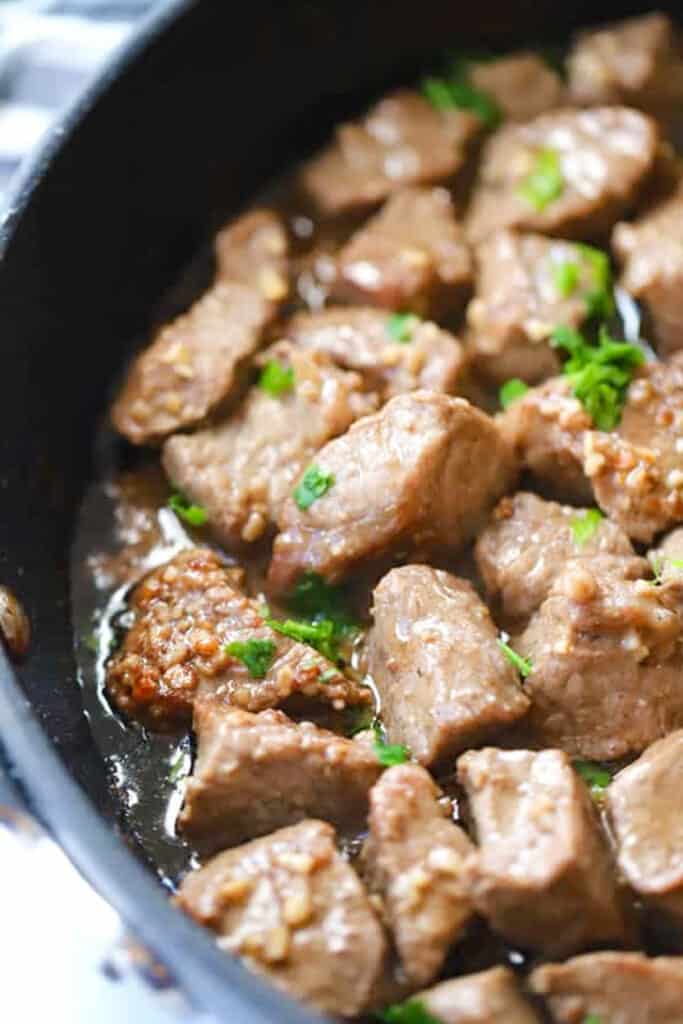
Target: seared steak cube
[[255, 773], [570, 173], [191, 366], [253, 250], [412, 255], [414, 858], [527, 544], [543, 876], [393, 354], [293, 909], [521, 84], [489, 997], [242, 469], [645, 805], [402, 140], [419, 475], [605, 647], [187, 613], [617, 988], [433, 652]]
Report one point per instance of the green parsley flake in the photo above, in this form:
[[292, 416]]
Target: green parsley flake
[[592, 1018], [257, 654], [401, 326], [313, 485], [511, 390], [585, 526], [456, 91], [360, 720], [596, 777], [600, 374], [389, 754], [276, 379], [193, 515], [565, 278], [523, 665], [545, 183], [657, 563], [179, 765], [320, 634], [413, 1011], [599, 298]]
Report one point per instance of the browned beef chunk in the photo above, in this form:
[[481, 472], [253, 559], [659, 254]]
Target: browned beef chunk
[[519, 303], [543, 876], [256, 773], [490, 997], [414, 858], [293, 908], [522, 84], [606, 653], [527, 544], [651, 252], [546, 428], [402, 140], [599, 160], [616, 988], [242, 470], [186, 612], [433, 653], [637, 61], [191, 366], [412, 255], [253, 250], [645, 804], [361, 339], [419, 475]]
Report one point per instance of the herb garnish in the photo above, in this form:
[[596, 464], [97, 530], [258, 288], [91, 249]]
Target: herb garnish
[[523, 665], [318, 634], [401, 326], [413, 1011], [596, 777], [194, 515], [585, 526], [325, 622], [257, 654], [456, 90], [657, 564], [313, 485], [276, 379], [389, 754], [599, 299], [360, 720], [545, 183], [511, 390], [565, 278], [600, 374], [592, 1018]]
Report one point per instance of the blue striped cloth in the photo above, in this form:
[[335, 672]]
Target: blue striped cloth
[[50, 50]]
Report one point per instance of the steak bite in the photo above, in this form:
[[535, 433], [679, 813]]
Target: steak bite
[[402, 140], [192, 364], [617, 988], [419, 475], [256, 773], [253, 250], [187, 612], [525, 286], [414, 858], [412, 255], [393, 354], [242, 469], [489, 997], [293, 909], [522, 85], [527, 544], [570, 173], [543, 876], [645, 806], [650, 250], [605, 647], [433, 653], [637, 61]]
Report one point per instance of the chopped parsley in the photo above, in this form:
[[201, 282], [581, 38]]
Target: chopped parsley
[[325, 622], [600, 374], [566, 278], [193, 515], [599, 298], [523, 665], [361, 720], [585, 526], [318, 634], [657, 564], [595, 776], [545, 183], [511, 390], [179, 765], [456, 90], [413, 1011], [257, 654], [313, 485], [592, 1018], [92, 642], [389, 754], [401, 326], [276, 379]]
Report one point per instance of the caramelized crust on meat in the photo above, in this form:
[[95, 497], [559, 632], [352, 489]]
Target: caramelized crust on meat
[[522, 85], [253, 250]]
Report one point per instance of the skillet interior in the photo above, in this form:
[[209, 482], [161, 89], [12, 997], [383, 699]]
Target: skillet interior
[[224, 98]]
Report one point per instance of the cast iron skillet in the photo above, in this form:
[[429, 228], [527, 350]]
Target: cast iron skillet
[[209, 100]]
